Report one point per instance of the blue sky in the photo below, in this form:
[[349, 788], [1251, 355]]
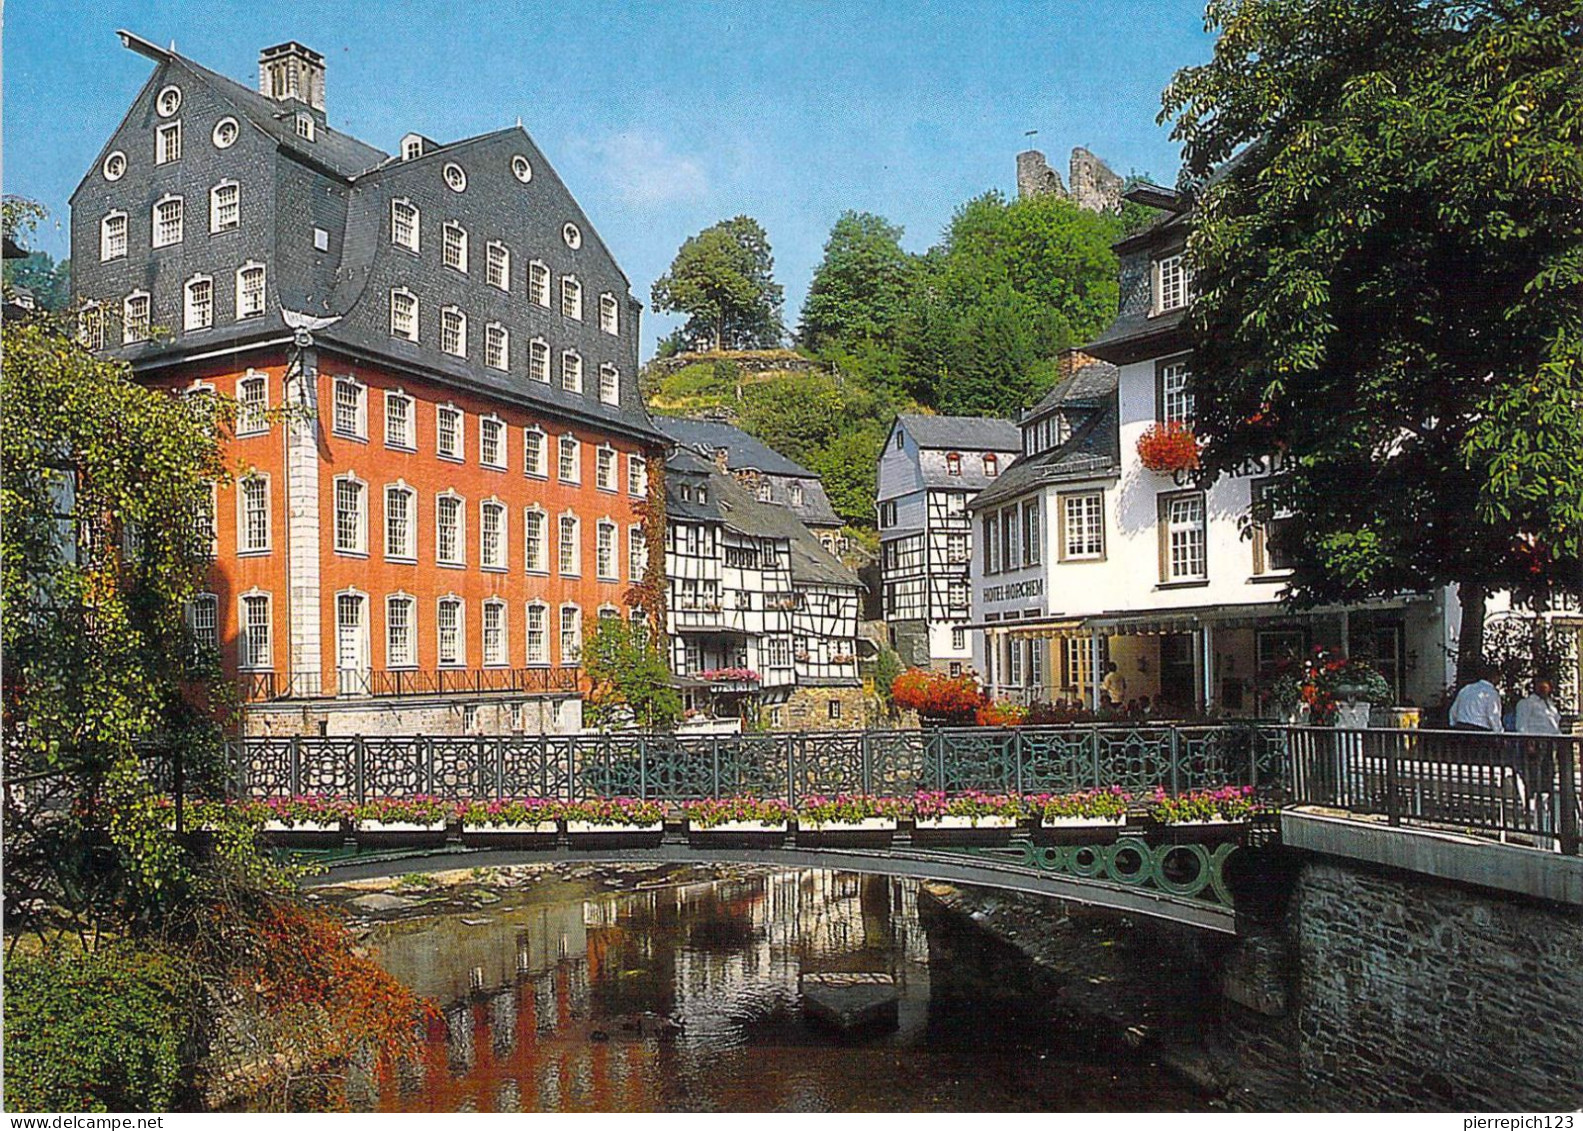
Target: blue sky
[[662, 117]]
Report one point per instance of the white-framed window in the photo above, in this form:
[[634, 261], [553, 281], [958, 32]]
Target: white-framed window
[[492, 441], [411, 147], [609, 314], [167, 219], [571, 371], [605, 468], [1183, 538], [534, 455], [351, 515], [958, 639], [225, 133], [448, 428], [956, 548], [571, 636], [637, 476], [225, 206], [637, 553], [609, 385], [521, 169], [203, 617], [539, 284], [794, 494], [991, 465], [571, 298], [607, 565], [403, 314], [763, 491], [404, 224], [495, 651], [1032, 532], [305, 127], [570, 462], [350, 415], [1175, 397], [167, 143], [252, 398], [539, 360], [400, 421], [169, 101], [455, 177], [538, 622], [249, 291], [90, 326], [990, 538], [453, 246], [1083, 526], [497, 266], [136, 317], [535, 549], [401, 631], [449, 632], [401, 523], [572, 235], [1172, 282], [450, 535], [497, 346], [453, 331], [255, 650], [569, 546], [112, 236], [114, 167], [198, 303], [492, 534], [253, 519]]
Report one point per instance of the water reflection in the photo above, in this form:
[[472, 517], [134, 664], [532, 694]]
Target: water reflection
[[685, 997]]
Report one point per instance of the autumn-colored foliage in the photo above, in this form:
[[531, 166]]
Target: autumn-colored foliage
[[936, 696], [1168, 446]]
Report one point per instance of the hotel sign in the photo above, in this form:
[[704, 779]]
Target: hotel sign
[[1011, 591]]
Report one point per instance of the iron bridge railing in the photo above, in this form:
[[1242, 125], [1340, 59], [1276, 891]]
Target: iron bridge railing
[[789, 766]]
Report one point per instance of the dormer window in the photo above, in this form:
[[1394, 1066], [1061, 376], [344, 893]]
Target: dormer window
[[795, 494], [991, 465], [1171, 282], [305, 126], [411, 146], [953, 463]]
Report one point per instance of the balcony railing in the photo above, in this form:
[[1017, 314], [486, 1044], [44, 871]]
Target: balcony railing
[[258, 687]]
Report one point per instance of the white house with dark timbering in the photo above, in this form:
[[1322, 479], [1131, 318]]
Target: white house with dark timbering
[[930, 467], [1085, 556], [763, 619]]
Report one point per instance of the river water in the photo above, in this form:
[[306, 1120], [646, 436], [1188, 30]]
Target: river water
[[573, 992]]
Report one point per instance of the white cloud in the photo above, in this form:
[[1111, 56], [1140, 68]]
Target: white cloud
[[644, 171]]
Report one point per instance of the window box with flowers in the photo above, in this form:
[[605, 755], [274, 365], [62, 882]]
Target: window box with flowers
[[971, 817], [940, 700], [849, 820], [1211, 815], [1094, 816], [737, 820], [1168, 447], [614, 822], [419, 820], [306, 817], [530, 822]]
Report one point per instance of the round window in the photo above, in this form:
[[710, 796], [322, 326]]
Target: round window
[[521, 169], [169, 101], [455, 179], [573, 237], [115, 166], [225, 131]]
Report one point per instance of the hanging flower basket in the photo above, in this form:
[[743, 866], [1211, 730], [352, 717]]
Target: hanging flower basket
[[1168, 447]]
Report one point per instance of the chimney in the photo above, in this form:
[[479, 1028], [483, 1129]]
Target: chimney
[[1071, 360], [290, 72], [722, 456]]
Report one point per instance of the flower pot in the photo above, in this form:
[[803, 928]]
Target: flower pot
[[593, 834], [1078, 830], [869, 832], [308, 834], [988, 830], [391, 834], [1195, 832], [737, 834], [524, 834]]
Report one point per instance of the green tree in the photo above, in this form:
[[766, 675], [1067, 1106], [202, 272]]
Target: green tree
[[795, 417], [723, 280], [848, 467], [860, 290], [1388, 258], [49, 282], [629, 678]]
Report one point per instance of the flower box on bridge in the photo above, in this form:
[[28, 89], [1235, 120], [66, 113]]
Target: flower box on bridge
[[869, 832], [392, 834], [990, 829], [738, 834], [516, 834], [1079, 830]]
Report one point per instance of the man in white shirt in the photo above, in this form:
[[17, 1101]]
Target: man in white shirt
[[1536, 711], [1478, 705]]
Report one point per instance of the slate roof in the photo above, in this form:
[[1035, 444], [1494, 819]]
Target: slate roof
[[962, 433], [1093, 450], [1086, 387], [745, 452]]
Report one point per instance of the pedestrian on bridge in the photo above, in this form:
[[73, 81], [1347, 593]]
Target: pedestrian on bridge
[[1478, 704]]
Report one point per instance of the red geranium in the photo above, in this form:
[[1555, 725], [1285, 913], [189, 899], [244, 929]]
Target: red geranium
[[953, 698], [1168, 446]]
